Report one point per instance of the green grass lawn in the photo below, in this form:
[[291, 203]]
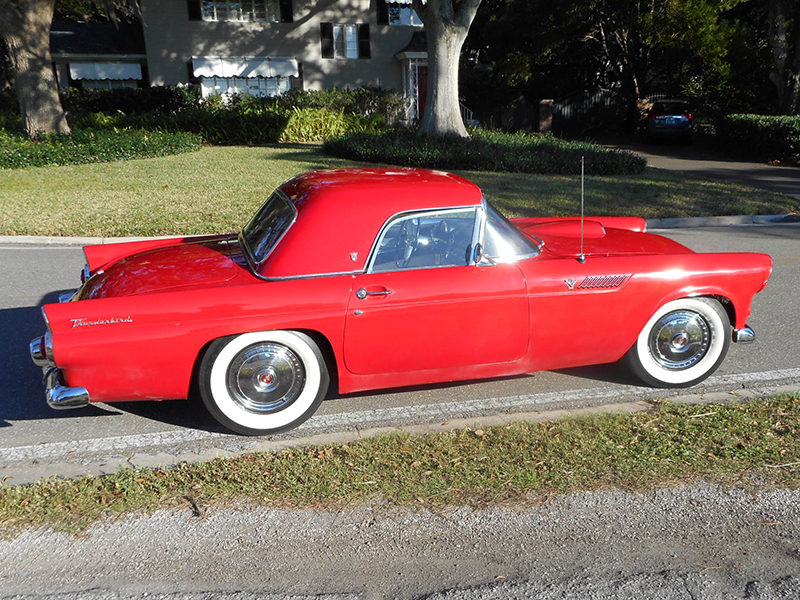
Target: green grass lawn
[[218, 188]]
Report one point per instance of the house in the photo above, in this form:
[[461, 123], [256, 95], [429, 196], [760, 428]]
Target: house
[[266, 47]]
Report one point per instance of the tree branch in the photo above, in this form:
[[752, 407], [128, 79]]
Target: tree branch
[[465, 12]]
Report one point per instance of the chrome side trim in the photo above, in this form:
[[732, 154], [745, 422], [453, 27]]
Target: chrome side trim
[[601, 281], [310, 276], [745, 335], [67, 296], [60, 397]]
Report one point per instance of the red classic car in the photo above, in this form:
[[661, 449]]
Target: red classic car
[[379, 278]]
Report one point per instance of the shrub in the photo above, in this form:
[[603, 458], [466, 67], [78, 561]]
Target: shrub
[[297, 116], [770, 138], [87, 146], [485, 151], [129, 101]]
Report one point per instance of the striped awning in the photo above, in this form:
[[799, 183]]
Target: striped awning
[[244, 66], [105, 70]]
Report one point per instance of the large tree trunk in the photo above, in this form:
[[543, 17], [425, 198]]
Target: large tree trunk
[[785, 45], [25, 28], [443, 108], [447, 23]]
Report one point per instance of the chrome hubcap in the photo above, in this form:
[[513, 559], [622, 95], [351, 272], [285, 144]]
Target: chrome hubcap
[[680, 339], [265, 378]]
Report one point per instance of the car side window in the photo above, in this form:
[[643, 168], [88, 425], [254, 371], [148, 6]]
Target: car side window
[[425, 240]]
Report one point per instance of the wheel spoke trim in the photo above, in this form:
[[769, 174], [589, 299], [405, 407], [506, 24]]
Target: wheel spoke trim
[[680, 339], [266, 377]]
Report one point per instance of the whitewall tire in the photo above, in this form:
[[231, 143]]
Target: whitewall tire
[[683, 343], [263, 382]]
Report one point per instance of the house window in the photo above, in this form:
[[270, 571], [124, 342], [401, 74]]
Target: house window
[[403, 15], [241, 10], [344, 41], [250, 86]]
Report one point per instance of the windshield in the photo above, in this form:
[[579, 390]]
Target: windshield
[[268, 225]]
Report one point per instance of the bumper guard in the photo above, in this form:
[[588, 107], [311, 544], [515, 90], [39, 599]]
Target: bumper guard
[[745, 335], [61, 397]]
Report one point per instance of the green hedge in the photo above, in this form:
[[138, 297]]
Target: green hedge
[[90, 146], [297, 116], [485, 151], [775, 139]]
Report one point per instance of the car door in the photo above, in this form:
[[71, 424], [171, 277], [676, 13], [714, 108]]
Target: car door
[[424, 304]]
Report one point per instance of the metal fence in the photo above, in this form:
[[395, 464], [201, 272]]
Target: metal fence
[[593, 111]]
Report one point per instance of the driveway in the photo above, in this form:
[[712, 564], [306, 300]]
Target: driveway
[[702, 160]]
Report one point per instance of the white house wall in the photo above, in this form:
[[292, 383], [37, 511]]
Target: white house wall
[[171, 40]]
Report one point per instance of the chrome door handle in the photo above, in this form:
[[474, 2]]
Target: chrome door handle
[[361, 293]]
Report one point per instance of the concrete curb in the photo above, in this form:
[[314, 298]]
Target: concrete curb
[[678, 223], [33, 240], [24, 472], [721, 221]]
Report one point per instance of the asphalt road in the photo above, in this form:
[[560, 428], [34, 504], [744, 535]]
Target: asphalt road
[[693, 543], [36, 441], [701, 159]]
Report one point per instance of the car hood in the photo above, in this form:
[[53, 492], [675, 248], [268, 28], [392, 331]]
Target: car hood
[[563, 238], [177, 266]]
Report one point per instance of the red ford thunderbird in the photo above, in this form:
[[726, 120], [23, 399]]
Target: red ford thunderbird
[[379, 278]]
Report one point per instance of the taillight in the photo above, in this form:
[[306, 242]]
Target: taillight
[[654, 115]]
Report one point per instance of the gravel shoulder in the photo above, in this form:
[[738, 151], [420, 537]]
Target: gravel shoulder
[[691, 542]]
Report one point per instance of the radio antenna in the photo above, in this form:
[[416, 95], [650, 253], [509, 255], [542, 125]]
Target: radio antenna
[[582, 256]]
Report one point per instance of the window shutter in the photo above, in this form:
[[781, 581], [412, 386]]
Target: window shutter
[[383, 12], [363, 41], [326, 34], [195, 12], [286, 11]]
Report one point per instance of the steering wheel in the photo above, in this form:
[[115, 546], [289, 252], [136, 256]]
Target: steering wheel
[[406, 242]]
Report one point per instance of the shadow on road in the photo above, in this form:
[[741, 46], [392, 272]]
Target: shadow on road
[[23, 389]]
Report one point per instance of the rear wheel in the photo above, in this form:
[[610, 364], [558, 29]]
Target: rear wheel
[[684, 342], [263, 382]]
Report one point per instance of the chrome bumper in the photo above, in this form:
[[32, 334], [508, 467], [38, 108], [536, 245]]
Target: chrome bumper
[[58, 395], [745, 335]]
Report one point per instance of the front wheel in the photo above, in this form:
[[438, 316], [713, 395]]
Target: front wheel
[[263, 382], [684, 342]]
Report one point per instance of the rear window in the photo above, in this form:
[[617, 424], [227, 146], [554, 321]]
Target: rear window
[[268, 225], [670, 108]]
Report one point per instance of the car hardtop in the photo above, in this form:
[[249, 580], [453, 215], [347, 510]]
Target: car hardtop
[[340, 213]]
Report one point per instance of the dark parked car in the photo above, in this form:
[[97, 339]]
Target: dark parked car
[[670, 119]]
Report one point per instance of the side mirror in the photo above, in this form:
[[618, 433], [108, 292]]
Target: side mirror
[[479, 258]]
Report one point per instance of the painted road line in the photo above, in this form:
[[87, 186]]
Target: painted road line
[[380, 416]]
